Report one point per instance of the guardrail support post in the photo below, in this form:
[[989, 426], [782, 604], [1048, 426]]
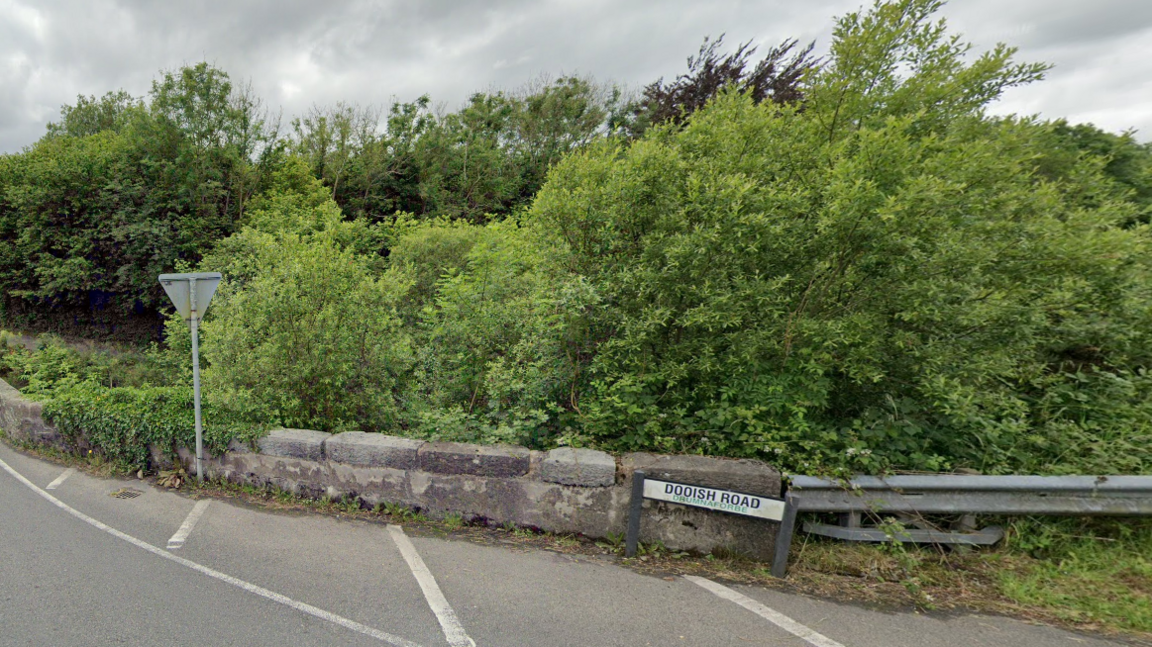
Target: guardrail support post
[[784, 537]]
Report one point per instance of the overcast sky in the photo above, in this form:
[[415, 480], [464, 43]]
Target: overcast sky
[[297, 53]]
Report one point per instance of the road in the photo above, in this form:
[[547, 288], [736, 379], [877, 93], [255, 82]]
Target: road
[[80, 567]]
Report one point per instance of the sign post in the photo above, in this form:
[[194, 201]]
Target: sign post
[[709, 498], [191, 294]]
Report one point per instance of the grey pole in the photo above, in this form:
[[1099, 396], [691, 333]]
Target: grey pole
[[784, 537], [196, 379], [635, 507]]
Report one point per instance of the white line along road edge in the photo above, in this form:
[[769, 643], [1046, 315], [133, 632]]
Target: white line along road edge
[[775, 617], [181, 535], [223, 577], [60, 479], [453, 631]]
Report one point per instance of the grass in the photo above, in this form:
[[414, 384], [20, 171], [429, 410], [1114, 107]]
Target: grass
[[1099, 576], [1089, 582], [1089, 575]]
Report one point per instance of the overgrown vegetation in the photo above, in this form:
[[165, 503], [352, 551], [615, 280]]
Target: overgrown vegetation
[[835, 266], [119, 403]]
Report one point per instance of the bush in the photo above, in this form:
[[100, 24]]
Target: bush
[[312, 340], [122, 422], [498, 352], [54, 364]]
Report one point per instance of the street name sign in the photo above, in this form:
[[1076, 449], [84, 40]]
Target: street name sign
[[709, 498], [714, 499]]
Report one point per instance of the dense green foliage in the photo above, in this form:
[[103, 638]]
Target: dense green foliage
[[483, 160], [121, 402], [843, 266], [126, 423], [498, 338], [907, 293], [118, 191], [51, 364]]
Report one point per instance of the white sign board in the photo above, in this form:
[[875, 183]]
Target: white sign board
[[176, 285], [714, 499]]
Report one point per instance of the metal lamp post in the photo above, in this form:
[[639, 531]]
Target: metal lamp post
[[191, 294]]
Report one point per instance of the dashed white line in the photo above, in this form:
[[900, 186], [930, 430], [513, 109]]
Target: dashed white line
[[185, 529], [60, 479], [771, 615], [453, 631], [223, 577]]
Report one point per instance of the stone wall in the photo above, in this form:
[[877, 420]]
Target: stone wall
[[20, 418], [564, 490]]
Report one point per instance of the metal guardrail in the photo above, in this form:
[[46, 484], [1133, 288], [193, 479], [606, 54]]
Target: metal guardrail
[[955, 494]]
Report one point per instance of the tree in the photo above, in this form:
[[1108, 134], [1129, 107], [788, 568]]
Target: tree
[[485, 159], [1125, 161], [111, 112], [776, 78], [209, 135], [330, 139], [304, 330], [878, 278], [121, 190]]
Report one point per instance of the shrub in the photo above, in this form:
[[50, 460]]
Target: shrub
[[122, 422], [312, 340], [498, 358]]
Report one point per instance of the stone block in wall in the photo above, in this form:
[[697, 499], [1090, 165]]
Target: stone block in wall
[[159, 457], [583, 467], [295, 443], [740, 475], [373, 450], [22, 418], [477, 460]]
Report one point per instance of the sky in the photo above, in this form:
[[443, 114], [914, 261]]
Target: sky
[[300, 53]]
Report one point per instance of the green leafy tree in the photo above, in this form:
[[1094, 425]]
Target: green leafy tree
[[1127, 162], [499, 348], [92, 115], [488, 158], [121, 190], [880, 279]]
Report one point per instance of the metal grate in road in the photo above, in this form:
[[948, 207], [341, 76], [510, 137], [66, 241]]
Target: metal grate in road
[[125, 493]]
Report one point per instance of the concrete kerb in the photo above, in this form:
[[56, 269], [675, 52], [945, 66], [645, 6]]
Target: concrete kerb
[[564, 490]]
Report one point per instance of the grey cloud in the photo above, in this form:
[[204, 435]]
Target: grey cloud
[[297, 53]]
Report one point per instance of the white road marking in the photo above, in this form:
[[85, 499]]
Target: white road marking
[[453, 630], [775, 617], [223, 577], [181, 535], [60, 479]]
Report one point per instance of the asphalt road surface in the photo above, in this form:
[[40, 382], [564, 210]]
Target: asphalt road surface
[[81, 567]]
